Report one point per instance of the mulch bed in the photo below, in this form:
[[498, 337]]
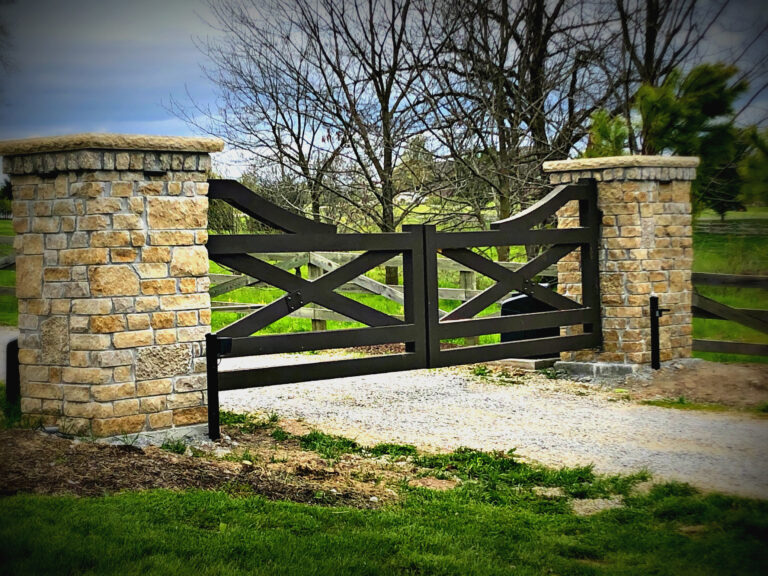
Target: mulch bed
[[40, 463]]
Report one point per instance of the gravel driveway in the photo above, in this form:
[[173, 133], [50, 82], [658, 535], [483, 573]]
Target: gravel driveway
[[555, 422]]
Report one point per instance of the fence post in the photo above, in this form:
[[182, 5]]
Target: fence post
[[313, 273], [468, 281]]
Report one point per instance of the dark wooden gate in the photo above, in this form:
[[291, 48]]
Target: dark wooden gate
[[421, 328]]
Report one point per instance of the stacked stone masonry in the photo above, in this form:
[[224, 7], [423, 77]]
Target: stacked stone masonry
[[646, 248], [112, 285]]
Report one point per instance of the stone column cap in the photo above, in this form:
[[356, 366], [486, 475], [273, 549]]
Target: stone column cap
[[105, 141], [580, 164]]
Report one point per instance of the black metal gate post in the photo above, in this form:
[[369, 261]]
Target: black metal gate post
[[656, 313], [590, 216], [12, 381], [212, 369]]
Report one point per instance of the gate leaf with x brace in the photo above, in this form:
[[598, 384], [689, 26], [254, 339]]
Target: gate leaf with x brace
[[421, 329]]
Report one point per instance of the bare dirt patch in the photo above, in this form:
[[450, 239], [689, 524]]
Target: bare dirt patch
[[735, 385], [434, 483], [590, 506], [250, 463]]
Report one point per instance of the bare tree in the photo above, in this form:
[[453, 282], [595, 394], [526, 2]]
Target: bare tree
[[658, 36], [266, 102], [323, 91], [517, 88]]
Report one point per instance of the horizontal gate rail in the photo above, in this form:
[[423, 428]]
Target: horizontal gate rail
[[304, 341], [343, 257], [498, 324], [509, 237], [273, 375], [246, 244], [517, 349]]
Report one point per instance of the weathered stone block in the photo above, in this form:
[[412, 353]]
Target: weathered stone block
[[127, 222], [156, 254], [29, 276], [152, 270], [83, 256], [133, 339], [161, 420], [153, 404], [88, 410], [163, 361], [117, 280], [87, 189], [126, 407], [189, 416], [89, 341], [166, 336], [54, 340], [177, 213], [172, 238], [159, 286], [185, 302], [154, 387], [107, 324], [163, 320], [151, 188], [117, 426], [110, 392], [110, 238], [192, 261], [190, 383]]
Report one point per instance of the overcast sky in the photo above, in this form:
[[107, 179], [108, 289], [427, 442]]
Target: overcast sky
[[112, 65]]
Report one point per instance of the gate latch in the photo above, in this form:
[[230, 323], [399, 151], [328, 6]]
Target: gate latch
[[294, 301]]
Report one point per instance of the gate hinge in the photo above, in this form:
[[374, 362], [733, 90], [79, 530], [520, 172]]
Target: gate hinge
[[294, 301]]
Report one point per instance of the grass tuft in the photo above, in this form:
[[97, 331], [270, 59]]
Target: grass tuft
[[247, 423], [327, 445], [177, 446]]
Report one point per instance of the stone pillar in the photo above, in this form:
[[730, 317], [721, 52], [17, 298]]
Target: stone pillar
[[646, 248], [111, 279]]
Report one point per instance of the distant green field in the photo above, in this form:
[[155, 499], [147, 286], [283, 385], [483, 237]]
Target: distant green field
[[752, 213], [9, 315]]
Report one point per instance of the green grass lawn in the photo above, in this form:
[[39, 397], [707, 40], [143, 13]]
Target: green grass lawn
[[6, 228], [493, 523]]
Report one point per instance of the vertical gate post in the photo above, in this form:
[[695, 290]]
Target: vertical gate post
[[645, 248], [212, 371], [111, 279], [431, 299]]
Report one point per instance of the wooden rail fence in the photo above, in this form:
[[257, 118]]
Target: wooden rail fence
[[704, 307]]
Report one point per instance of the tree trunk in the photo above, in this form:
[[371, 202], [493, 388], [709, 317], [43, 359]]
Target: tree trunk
[[505, 211]]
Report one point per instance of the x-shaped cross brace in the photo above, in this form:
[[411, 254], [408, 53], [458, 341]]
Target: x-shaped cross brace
[[301, 292], [508, 280]]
